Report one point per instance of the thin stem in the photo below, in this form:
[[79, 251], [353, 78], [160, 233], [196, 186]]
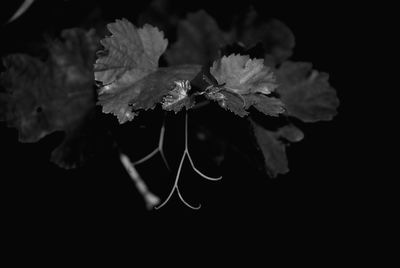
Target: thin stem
[[190, 158], [201, 173], [176, 186], [160, 145], [186, 203], [164, 159], [161, 138], [186, 131]]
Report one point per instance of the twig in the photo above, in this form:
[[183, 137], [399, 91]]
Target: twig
[[151, 199], [21, 10]]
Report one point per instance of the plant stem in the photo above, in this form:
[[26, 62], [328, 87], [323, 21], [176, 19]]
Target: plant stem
[[176, 186]]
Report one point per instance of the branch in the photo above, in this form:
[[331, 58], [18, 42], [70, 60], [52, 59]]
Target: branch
[[21, 10], [150, 199]]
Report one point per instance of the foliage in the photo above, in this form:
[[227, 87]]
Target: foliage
[[245, 69]]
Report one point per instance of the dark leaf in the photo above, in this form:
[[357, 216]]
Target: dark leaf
[[199, 39], [160, 13], [306, 93], [55, 95], [277, 38], [273, 147]]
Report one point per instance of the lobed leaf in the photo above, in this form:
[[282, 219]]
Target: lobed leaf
[[273, 147], [242, 75], [306, 93], [277, 39], [243, 83], [267, 105], [53, 95], [129, 48], [178, 97], [125, 101], [199, 40], [129, 70]]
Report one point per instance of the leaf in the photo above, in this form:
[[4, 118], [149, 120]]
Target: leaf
[[306, 93], [178, 97], [198, 42], [232, 102], [160, 13], [129, 70], [124, 100], [277, 39], [242, 75], [244, 82], [273, 147], [229, 101], [267, 105], [129, 49], [53, 95]]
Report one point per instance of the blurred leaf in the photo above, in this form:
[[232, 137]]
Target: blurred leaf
[[273, 146], [277, 39], [267, 105], [199, 40], [160, 13], [306, 93], [53, 95]]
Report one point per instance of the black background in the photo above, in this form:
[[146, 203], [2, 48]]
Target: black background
[[318, 193]]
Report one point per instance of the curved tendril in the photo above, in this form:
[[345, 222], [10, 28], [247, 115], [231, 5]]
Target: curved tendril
[[164, 159], [186, 203], [147, 157], [190, 158], [159, 149], [201, 173], [175, 183], [161, 139], [186, 131], [160, 146], [166, 200], [185, 153]]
